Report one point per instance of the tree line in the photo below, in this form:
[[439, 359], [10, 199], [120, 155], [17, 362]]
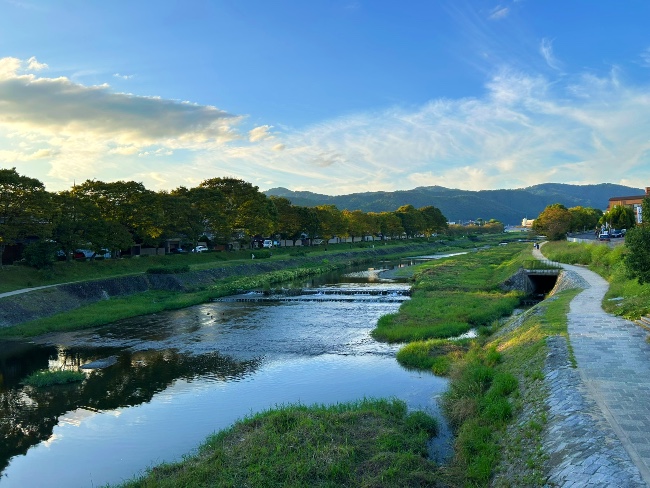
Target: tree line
[[556, 221], [115, 216]]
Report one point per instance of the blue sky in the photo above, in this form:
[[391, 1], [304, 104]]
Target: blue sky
[[335, 96]]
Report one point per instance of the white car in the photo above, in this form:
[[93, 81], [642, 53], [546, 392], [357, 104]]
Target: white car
[[199, 249]]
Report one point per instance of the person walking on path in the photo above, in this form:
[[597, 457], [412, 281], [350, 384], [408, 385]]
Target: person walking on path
[[608, 407]]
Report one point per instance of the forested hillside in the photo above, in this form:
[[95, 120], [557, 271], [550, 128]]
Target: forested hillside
[[507, 206]]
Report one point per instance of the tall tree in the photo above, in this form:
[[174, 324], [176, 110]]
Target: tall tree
[[390, 225], [619, 217], [554, 222], [412, 220], [434, 220], [75, 219], [25, 209], [584, 218], [244, 208], [287, 222], [127, 203], [358, 223], [181, 216], [331, 222]]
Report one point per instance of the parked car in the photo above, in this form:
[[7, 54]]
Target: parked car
[[268, 243], [603, 236], [87, 253], [177, 250], [616, 233], [199, 249]]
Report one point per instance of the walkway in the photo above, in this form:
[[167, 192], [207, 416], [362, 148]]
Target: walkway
[[599, 413]]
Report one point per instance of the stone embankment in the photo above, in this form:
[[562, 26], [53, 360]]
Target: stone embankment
[[598, 412], [48, 301], [582, 447]]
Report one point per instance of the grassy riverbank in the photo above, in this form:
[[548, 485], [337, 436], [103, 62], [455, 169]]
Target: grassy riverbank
[[625, 297], [288, 267], [484, 396], [367, 443], [451, 296], [154, 301]]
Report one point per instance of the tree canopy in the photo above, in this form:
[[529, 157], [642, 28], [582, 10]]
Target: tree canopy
[[554, 222]]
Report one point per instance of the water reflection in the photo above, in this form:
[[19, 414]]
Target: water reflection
[[30, 414], [178, 376]]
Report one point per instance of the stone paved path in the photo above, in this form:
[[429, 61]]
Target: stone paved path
[[600, 413]]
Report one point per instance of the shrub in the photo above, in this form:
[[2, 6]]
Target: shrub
[[40, 255]]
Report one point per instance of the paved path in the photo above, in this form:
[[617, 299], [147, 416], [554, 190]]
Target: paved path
[[607, 413]]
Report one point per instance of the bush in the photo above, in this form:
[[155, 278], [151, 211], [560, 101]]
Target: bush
[[41, 254]]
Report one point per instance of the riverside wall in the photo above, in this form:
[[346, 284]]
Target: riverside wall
[[45, 302]]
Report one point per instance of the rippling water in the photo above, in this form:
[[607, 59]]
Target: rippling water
[[179, 376]]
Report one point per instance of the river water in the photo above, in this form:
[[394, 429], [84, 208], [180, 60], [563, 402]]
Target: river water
[[175, 377]]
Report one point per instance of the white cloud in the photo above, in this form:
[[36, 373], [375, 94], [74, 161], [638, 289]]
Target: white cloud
[[34, 65], [525, 129], [259, 133], [122, 77], [499, 12], [546, 50]]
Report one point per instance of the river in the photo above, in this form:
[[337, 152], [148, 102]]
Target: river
[[175, 377]]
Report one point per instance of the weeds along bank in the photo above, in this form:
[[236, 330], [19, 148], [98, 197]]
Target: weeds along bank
[[496, 401], [494, 378], [625, 297], [92, 303]]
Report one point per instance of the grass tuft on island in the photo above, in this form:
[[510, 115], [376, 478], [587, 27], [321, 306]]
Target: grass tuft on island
[[451, 296], [364, 443], [45, 377]]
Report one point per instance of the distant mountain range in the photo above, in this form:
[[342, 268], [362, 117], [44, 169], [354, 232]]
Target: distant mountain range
[[507, 206]]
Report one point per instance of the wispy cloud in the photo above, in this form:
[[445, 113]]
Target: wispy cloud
[[546, 50], [122, 77], [499, 12], [525, 129], [645, 57]]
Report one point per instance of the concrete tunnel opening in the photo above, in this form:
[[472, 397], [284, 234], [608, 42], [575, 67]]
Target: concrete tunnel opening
[[542, 284]]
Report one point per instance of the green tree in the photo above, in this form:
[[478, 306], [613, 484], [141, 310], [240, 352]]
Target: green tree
[[584, 218], [40, 254], [637, 257], [412, 220], [554, 222], [358, 224], [244, 209], [25, 208], [74, 220], [127, 203], [287, 223], [434, 220], [331, 222], [390, 225], [619, 217], [182, 216]]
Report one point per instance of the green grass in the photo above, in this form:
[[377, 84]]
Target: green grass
[[454, 295], [361, 444], [46, 378], [625, 297], [436, 355], [153, 301]]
